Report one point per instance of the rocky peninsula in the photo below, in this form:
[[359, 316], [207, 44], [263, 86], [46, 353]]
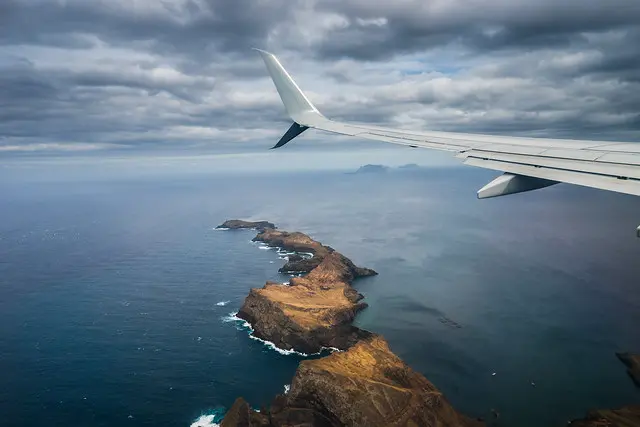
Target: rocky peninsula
[[313, 312], [362, 383]]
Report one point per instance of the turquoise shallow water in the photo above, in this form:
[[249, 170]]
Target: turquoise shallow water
[[112, 284]]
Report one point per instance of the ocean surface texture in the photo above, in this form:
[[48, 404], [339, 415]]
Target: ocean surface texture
[[117, 294]]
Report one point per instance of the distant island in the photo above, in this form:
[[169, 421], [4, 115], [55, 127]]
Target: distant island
[[371, 169], [409, 166], [362, 382], [374, 169]]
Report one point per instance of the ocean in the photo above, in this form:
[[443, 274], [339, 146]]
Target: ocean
[[116, 292]]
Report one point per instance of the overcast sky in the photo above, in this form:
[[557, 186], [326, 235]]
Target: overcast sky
[[98, 74]]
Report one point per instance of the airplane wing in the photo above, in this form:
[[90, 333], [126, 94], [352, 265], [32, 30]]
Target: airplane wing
[[527, 163]]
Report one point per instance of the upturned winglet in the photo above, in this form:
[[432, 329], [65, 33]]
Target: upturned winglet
[[298, 106]]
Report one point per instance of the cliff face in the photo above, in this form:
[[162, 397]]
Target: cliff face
[[242, 415], [367, 385]]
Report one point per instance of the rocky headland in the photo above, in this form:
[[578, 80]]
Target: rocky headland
[[362, 383], [314, 311]]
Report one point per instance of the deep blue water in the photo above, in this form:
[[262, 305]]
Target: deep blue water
[[111, 272]]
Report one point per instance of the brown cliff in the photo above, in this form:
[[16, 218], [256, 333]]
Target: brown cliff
[[242, 415], [314, 311], [366, 385]]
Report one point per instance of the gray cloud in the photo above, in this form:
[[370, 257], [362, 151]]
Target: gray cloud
[[104, 73]]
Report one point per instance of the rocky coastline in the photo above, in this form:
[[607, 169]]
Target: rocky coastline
[[314, 311], [361, 383]]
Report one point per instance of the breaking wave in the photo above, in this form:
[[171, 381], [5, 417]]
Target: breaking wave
[[210, 419], [205, 421], [222, 303]]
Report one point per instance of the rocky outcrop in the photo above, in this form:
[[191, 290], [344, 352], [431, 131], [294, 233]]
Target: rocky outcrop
[[235, 224], [628, 416], [366, 385], [314, 311], [633, 364], [242, 415], [299, 264], [296, 241]]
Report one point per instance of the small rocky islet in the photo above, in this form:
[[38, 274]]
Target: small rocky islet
[[362, 383]]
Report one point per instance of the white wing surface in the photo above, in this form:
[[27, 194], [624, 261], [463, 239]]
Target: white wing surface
[[527, 163]]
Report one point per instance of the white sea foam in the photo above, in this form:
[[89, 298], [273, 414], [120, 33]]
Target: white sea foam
[[272, 346], [244, 325], [222, 303], [285, 252], [205, 421], [287, 387], [233, 317], [220, 229]]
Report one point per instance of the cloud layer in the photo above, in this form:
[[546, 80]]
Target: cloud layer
[[95, 74]]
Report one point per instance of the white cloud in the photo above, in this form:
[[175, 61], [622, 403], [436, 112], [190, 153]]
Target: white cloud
[[181, 72]]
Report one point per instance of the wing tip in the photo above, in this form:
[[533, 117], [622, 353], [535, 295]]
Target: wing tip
[[263, 52]]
